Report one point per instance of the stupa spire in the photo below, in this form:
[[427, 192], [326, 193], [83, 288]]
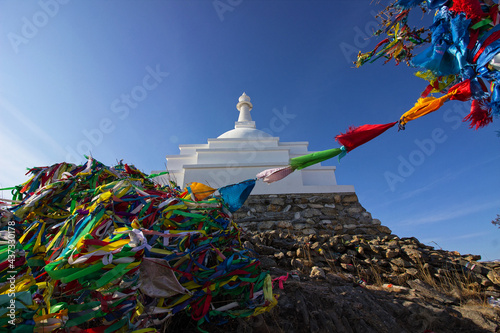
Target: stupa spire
[[245, 119]]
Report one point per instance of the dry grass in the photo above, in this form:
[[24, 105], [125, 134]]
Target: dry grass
[[452, 281], [375, 275], [459, 283], [306, 248], [331, 259]]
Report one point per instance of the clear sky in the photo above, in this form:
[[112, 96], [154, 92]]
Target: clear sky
[[134, 79]]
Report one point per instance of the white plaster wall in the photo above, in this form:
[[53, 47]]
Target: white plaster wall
[[190, 149], [298, 148], [177, 162], [176, 176], [318, 177], [243, 156], [228, 161], [236, 143]]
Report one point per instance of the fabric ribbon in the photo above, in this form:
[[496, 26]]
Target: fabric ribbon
[[89, 260], [357, 136]]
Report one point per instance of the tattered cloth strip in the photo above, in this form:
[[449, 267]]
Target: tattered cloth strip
[[200, 191], [298, 163], [275, 174], [464, 41], [356, 136], [353, 138], [235, 195], [400, 41], [77, 245], [301, 162], [461, 91], [480, 114], [424, 106], [471, 8], [157, 279]]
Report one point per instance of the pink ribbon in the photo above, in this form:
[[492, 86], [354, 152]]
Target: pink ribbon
[[280, 280], [272, 175]]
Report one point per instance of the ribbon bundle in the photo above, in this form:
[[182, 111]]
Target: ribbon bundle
[[464, 53], [93, 248]]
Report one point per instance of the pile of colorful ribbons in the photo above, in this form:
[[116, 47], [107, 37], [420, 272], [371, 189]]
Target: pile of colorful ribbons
[[93, 248], [462, 63]]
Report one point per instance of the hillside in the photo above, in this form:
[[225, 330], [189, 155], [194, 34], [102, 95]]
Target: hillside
[[354, 275], [367, 283], [343, 271], [92, 248]]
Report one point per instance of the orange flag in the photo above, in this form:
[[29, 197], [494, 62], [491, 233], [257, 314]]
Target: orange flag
[[200, 191]]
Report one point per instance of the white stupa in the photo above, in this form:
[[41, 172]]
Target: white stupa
[[241, 153]]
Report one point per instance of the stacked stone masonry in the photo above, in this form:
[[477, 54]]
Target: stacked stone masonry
[[306, 214]]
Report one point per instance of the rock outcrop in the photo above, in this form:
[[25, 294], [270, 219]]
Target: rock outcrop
[[336, 269], [348, 273], [374, 283]]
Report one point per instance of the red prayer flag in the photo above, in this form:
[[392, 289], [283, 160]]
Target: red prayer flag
[[480, 114], [460, 91], [356, 136]]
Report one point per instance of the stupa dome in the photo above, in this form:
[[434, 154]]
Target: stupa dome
[[244, 133]]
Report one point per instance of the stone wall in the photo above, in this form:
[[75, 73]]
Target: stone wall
[[306, 214]]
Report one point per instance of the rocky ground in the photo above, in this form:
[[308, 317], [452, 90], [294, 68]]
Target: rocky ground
[[370, 283], [348, 273]]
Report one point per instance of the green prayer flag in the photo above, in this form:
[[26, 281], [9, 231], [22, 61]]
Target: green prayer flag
[[304, 161]]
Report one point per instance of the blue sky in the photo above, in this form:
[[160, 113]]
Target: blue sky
[[134, 79]]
